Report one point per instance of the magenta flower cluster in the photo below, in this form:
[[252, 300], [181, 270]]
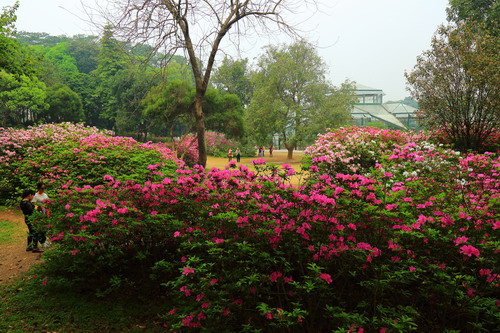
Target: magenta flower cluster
[[406, 243]]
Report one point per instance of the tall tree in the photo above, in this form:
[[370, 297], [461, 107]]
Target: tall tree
[[292, 96], [485, 11], [22, 95], [457, 84], [233, 77], [112, 59], [130, 86], [85, 50], [64, 105], [173, 104], [198, 28], [22, 98]]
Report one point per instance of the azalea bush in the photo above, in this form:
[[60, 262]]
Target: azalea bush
[[73, 155], [411, 245], [355, 149], [490, 144]]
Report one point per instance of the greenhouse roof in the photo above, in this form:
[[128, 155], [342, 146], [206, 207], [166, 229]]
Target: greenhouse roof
[[378, 112], [362, 89], [400, 109]]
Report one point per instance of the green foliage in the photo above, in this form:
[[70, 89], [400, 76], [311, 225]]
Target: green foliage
[[486, 11], [457, 84], [85, 52], [65, 105], [174, 103], [223, 113], [52, 155], [292, 97], [233, 77], [22, 98]]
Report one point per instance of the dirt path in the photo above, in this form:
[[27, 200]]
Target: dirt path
[[14, 259]]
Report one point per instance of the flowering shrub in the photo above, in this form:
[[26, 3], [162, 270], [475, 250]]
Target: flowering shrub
[[217, 145], [71, 154], [411, 245], [355, 149], [491, 144]]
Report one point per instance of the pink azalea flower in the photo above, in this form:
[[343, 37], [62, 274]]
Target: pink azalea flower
[[187, 271], [469, 250], [185, 290], [461, 240], [326, 277], [274, 276]]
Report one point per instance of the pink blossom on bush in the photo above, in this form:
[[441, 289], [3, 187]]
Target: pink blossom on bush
[[326, 277], [469, 250]]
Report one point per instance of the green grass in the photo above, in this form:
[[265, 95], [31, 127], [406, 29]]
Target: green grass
[[6, 231], [28, 306]]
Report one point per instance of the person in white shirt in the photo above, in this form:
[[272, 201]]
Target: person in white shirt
[[40, 195], [38, 199]]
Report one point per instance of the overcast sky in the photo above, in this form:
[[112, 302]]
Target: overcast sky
[[371, 42]]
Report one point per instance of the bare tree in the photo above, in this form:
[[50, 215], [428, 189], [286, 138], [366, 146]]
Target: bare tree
[[197, 28]]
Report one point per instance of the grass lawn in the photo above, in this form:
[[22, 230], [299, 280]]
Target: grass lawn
[[26, 306], [6, 232]]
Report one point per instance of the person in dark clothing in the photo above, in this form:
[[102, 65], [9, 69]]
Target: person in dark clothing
[[238, 155], [28, 208]]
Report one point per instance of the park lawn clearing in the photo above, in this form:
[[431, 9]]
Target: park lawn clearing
[[6, 231]]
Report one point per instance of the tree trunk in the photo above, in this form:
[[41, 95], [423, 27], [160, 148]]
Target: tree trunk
[[200, 128], [290, 151]]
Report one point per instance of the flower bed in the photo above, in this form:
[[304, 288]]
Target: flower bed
[[409, 245], [68, 154]]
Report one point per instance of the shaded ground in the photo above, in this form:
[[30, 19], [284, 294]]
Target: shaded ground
[[14, 260]]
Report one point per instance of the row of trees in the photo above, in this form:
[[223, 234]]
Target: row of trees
[[128, 88]]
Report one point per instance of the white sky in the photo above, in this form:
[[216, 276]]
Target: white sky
[[371, 42]]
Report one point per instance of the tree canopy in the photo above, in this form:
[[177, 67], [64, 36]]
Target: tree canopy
[[457, 84], [485, 11], [233, 77], [292, 97], [175, 26]]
